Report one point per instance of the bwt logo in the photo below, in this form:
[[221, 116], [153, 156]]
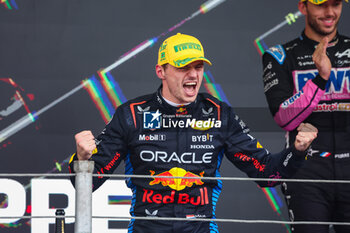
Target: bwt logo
[[339, 80], [152, 120], [292, 99]]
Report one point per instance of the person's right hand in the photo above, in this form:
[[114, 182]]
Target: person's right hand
[[85, 142], [306, 134], [321, 60]]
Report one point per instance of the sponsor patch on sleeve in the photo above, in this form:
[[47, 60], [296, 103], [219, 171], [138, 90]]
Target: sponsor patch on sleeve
[[278, 53]]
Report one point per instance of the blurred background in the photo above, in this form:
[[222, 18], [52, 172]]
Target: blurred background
[[49, 48]]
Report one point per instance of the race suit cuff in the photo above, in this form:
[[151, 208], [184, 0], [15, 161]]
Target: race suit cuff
[[320, 82], [292, 162], [298, 153]]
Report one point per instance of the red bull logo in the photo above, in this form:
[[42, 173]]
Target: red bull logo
[[151, 196], [176, 183], [181, 111]]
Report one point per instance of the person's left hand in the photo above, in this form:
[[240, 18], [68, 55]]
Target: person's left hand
[[306, 134]]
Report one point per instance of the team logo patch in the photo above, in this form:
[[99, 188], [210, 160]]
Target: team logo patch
[[181, 111], [278, 53], [176, 183], [346, 53]]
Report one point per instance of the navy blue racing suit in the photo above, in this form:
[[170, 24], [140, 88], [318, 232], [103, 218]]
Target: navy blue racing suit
[[157, 139]]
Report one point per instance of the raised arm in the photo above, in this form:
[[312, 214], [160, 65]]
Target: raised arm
[[289, 109]]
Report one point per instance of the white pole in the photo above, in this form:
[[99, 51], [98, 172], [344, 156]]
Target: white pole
[[83, 196]]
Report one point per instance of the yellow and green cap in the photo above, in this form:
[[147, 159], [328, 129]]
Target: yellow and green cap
[[318, 2], [180, 50]]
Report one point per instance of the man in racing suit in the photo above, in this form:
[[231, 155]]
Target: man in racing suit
[[177, 133], [308, 80]]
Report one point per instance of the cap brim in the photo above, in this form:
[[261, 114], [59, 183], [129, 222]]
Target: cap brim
[[207, 61], [185, 62]]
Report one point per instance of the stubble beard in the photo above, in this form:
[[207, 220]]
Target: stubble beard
[[317, 28]]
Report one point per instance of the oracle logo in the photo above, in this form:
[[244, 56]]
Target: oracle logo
[[186, 157]]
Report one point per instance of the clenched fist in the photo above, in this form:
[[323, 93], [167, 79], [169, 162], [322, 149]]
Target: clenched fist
[[321, 60], [306, 134], [85, 142]]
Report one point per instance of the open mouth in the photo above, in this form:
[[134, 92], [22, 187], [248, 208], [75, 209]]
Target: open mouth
[[190, 88]]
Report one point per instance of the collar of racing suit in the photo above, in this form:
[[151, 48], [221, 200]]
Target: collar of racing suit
[[314, 43], [179, 110]]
